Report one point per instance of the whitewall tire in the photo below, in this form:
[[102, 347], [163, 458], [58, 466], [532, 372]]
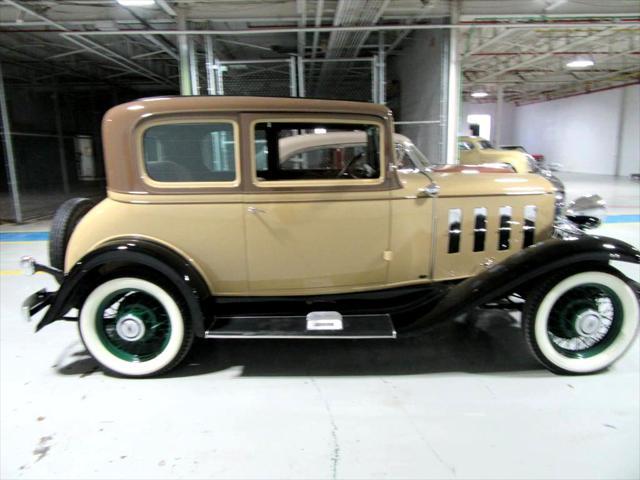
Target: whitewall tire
[[582, 322], [134, 327]]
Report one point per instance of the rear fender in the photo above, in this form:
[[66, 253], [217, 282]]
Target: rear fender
[[131, 254], [504, 278]]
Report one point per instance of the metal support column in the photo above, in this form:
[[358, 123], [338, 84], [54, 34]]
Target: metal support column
[[193, 68], [293, 77], [183, 51], [210, 66], [374, 79], [8, 148], [300, 76], [219, 80], [61, 154], [620, 130], [453, 92], [382, 83], [497, 136]]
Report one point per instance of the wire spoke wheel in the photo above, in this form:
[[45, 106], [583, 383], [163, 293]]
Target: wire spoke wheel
[[585, 320], [581, 322], [134, 327]]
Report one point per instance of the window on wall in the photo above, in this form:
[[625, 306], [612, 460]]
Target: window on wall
[[316, 151], [484, 121], [190, 152]]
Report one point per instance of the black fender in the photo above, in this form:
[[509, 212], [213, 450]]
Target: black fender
[[132, 254], [504, 278]]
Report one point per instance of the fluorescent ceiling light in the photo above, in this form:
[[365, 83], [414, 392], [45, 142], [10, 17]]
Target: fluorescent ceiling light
[[320, 130], [479, 94], [136, 3], [580, 63]]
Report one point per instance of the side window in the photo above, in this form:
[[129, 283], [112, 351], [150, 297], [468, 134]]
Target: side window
[[190, 152], [462, 146], [316, 151]]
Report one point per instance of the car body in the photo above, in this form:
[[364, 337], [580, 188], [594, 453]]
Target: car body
[[230, 217], [477, 150], [538, 157]]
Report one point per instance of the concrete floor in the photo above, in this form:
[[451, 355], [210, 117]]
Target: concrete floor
[[459, 404]]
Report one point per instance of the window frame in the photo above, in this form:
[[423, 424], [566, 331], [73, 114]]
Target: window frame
[[190, 185], [310, 184]]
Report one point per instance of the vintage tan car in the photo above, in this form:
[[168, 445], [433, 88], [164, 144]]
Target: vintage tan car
[[217, 225], [477, 150]]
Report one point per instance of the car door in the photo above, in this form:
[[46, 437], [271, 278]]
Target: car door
[[318, 223]]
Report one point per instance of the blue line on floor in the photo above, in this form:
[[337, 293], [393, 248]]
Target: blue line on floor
[[23, 236], [622, 219]]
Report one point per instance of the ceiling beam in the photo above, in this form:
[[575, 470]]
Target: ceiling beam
[[167, 8], [538, 58], [492, 41], [631, 25], [90, 46]]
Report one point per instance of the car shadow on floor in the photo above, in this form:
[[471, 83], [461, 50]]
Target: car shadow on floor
[[494, 344]]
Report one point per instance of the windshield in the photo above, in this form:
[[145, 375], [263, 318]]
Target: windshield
[[410, 157], [484, 144]]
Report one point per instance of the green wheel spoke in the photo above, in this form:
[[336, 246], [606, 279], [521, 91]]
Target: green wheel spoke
[[133, 325], [566, 320]]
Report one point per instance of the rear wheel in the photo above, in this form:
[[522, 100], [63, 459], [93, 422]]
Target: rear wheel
[[134, 327], [582, 322]]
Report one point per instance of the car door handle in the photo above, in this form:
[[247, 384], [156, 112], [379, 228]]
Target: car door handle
[[255, 210]]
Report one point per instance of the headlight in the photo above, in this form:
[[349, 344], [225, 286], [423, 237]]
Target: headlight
[[587, 212]]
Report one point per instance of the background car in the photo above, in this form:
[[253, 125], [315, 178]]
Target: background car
[[477, 150]]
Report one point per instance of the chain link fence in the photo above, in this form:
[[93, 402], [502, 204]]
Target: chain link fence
[[258, 78], [49, 164], [339, 80]]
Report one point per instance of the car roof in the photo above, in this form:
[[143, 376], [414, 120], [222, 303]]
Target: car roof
[[168, 104]]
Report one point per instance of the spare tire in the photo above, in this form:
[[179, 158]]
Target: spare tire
[[64, 222]]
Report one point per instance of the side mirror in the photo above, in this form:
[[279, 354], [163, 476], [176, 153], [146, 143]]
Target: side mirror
[[587, 212]]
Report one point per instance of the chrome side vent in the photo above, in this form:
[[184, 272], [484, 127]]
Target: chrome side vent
[[480, 229], [504, 232], [455, 228], [529, 227]]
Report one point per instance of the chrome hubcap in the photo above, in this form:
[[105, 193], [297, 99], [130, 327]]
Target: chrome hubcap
[[130, 328], [588, 322]]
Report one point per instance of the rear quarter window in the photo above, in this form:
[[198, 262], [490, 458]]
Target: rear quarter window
[[190, 152]]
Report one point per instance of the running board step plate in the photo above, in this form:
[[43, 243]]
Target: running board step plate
[[314, 325]]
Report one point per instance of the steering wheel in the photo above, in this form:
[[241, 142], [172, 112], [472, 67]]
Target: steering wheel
[[349, 164]]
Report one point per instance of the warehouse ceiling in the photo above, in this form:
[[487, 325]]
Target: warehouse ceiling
[[520, 47]]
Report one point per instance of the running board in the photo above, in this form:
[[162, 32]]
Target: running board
[[314, 325]]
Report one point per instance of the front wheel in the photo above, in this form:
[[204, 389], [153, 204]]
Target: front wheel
[[134, 327], [581, 323]]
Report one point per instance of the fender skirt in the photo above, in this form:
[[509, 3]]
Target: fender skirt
[[132, 254], [505, 277]]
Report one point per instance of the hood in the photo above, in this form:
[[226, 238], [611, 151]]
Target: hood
[[466, 183], [471, 169]]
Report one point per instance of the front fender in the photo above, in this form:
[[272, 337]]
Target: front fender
[[540, 259], [131, 253]]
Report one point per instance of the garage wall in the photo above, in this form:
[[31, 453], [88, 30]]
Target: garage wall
[[508, 112], [414, 89], [584, 133]]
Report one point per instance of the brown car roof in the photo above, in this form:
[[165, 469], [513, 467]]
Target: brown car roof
[[246, 104], [119, 124]]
